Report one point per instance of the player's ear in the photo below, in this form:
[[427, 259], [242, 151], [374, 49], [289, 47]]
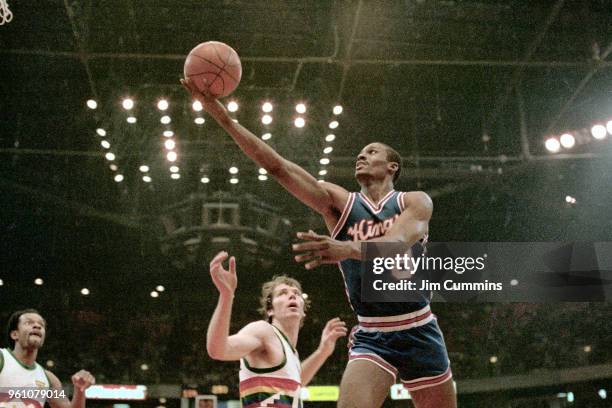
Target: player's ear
[[393, 166], [14, 334]]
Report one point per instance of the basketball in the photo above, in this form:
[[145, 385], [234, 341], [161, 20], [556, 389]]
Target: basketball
[[214, 66]]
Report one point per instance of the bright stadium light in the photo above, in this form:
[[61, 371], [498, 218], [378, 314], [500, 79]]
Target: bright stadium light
[[168, 133], [599, 132], [266, 136], [262, 177], [267, 107], [131, 120], [169, 144], [175, 176], [165, 119], [119, 178], [101, 132], [171, 156], [567, 140], [127, 103], [162, 105], [322, 172], [105, 144], [333, 124], [197, 106], [328, 150], [233, 170], [552, 145], [232, 106], [199, 121], [300, 108], [324, 161], [234, 180], [299, 122], [146, 179], [144, 168], [110, 156], [330, 138], [92, 104], [205, 180], [337, 110], [266, 119]]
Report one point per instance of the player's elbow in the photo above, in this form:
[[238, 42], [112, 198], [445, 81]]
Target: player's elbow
[[216, 351]]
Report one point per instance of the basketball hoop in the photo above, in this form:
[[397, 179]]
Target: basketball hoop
[[5, 14]]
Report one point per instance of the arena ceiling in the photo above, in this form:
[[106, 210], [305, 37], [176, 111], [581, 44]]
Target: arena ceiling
[[461, 88]]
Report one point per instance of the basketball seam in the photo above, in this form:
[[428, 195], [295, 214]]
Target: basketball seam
[[212, 63]]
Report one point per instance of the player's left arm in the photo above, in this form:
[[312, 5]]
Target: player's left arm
[[334, 329], [81, 381], [411, 225]]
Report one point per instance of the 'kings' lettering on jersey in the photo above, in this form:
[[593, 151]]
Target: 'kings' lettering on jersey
[[367, 229]]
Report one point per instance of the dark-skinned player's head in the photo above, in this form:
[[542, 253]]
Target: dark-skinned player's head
[[26, 328], [377, 161]]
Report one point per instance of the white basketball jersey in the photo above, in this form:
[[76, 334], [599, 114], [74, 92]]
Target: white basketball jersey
[[16, 375], [275, 386]]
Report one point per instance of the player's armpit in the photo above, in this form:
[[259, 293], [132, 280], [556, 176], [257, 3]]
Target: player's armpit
[[250, 338]]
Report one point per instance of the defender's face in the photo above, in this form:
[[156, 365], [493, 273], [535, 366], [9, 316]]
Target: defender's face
[[372, 161], [287, 302], [31, 331]]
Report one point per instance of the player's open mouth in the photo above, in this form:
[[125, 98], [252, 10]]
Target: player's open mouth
[[36, 335]]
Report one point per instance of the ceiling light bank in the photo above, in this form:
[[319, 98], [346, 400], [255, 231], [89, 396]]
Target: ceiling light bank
[[568, 140]]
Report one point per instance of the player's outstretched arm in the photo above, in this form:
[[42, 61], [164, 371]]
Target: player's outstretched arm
[[334, 329], [219, 344], [325, 198], [410, 226], [81, 381]]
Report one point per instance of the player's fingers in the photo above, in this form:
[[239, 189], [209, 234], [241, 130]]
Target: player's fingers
[[313, 264], [309, 236], [220, 257], [309, 246], [232, 265], [302, 258]]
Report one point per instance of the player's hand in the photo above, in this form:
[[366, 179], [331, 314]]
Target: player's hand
[[321, 249], [209, 101], [334, 329], [225, 280], [83, 380]]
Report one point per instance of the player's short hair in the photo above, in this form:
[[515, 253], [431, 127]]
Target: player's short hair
[[13, 324], [267, 293], [394, 157]]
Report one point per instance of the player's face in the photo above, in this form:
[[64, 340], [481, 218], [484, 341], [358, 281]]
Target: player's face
[[287, 302], [30, 333], [372, 162]]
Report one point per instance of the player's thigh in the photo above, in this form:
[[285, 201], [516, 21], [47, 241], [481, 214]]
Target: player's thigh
[[438, 396], [364, 385]]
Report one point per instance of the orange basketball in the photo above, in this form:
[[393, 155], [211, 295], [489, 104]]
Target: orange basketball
[[214, 66]]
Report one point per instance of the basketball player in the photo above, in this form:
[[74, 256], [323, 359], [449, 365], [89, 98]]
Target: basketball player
[[19, 370], [392, 339], [271, 374]]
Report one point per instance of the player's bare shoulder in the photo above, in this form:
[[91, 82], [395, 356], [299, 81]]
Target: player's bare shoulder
[[418, 202], [338, 194]]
